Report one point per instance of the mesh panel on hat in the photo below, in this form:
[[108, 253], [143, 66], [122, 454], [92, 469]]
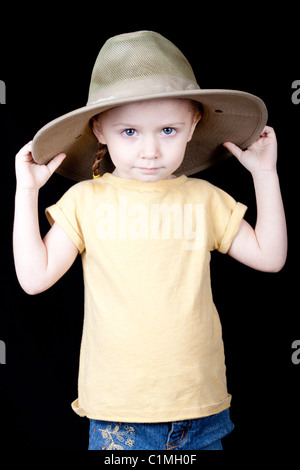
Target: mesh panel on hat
[[138, 55]]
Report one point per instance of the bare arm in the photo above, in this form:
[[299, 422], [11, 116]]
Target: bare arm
[[265, 247], [39, 263]]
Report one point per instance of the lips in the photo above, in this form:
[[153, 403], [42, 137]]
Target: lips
[[149, 169]]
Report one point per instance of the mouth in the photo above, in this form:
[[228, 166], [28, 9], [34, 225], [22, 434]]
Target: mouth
[[149, 170]]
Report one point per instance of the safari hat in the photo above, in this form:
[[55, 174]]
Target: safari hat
[[142, 66]]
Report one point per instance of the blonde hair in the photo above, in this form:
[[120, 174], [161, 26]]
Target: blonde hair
[[98, 158]]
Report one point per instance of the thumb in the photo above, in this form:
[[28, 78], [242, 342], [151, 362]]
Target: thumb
[[234, 149], [55, 162]]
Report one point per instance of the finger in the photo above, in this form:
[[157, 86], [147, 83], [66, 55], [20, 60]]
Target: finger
[[28, 145], [26, 149], [24, 154], [267, 133], [234, 149], [55, 162], [268, 130]]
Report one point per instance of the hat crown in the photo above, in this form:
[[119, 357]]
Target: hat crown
[[137, 56]]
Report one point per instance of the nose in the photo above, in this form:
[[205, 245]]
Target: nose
[[150, 147]]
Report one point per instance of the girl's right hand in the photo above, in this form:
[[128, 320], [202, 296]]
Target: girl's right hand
[[30, 175]]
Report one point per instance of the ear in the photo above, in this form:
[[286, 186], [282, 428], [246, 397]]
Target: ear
[[96, 128], [197, 118]]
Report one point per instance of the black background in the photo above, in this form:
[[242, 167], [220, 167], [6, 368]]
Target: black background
[[47, 55]]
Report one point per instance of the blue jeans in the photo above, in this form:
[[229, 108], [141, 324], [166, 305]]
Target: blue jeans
[[195, 434]]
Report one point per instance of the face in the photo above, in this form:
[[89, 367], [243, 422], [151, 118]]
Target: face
[[147, 140]]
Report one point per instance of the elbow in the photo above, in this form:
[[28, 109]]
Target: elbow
[[272, 269], [30, 287], [31, 290], [277, 267], [274, 265]]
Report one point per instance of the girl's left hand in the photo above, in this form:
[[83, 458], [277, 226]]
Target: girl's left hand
[[261, 155]]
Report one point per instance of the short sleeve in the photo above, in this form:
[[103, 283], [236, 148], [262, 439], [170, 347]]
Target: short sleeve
[[66, 213], [225, 215]]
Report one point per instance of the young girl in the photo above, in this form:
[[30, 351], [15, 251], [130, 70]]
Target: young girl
[[152, 370]]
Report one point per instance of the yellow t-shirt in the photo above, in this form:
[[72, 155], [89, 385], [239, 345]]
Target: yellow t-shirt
[[152, 348]]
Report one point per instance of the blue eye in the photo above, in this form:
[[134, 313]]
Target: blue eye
[[129, 132], [168, 130]]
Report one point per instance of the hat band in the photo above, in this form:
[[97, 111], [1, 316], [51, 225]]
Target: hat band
[[143, 87]]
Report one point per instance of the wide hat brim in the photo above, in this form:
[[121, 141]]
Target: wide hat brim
[[228, 116]]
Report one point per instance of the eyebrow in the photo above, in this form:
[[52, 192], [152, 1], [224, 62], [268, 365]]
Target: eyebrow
[[123, 124], [133, 126]]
